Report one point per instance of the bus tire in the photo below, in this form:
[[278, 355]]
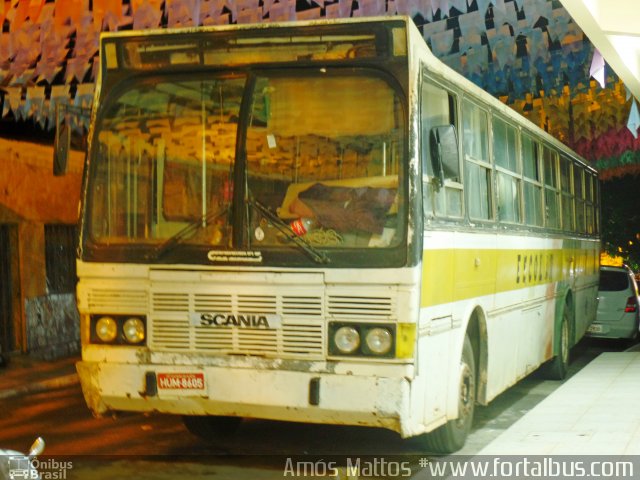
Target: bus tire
[[452, 436], [557, 367], [211, 428]]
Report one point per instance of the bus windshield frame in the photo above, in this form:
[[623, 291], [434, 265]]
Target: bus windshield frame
[[320, 147]]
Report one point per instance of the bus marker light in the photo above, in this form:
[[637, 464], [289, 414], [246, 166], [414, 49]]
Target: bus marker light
[[406, 340]]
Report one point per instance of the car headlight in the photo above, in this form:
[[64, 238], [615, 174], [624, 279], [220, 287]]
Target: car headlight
[[106, 329], [133, 330], [347, 339], [379, 340]]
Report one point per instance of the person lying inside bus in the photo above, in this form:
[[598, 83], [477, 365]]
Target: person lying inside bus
[[344, 212], [345, 208]]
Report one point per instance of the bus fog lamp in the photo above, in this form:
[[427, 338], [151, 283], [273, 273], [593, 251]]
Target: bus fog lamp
[[133, 330], [347, 339], [106, 329], [379, 340]]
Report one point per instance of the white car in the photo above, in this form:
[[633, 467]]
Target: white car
[[618, 312]]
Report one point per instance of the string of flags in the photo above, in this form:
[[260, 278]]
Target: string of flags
[[529, 53]]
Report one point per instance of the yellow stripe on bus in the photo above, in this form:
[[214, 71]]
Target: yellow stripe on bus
[[449, 275]]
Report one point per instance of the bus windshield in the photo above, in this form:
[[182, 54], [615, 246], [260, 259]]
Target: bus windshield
[[181, 160]]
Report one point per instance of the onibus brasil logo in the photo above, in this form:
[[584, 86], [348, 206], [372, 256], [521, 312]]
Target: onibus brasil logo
[[26, 468]]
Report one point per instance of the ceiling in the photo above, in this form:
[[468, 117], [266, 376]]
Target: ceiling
[[614, 29], [531, 54]]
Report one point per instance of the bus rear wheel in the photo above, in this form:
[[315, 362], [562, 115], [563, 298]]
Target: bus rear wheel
[[557, 367], [452, 436], [211, 428]]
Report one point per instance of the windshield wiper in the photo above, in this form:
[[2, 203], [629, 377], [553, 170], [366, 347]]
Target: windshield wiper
[[315, 254], [186, 232]]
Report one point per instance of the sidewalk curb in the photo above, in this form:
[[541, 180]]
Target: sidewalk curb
[[41, 386], [633, 348]]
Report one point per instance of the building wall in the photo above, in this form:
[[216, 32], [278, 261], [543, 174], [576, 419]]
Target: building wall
[[31, 197], [28, 187], [53, 326]]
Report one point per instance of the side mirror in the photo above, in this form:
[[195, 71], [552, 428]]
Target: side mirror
[[70, 120], [443, 144]]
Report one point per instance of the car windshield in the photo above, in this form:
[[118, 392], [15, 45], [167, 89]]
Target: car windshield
[[613, 281]]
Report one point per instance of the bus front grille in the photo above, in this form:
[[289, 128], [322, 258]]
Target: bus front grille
[[303, 311], [106, 300], [376, 307], [300, 335]]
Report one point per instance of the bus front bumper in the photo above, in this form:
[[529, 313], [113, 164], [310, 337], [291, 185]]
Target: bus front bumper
[[296, 396]]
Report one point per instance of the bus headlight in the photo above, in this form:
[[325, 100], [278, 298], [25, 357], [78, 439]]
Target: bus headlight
[[379, 340], [117, 329], [106, 329], [367, 340], [346, 340], [133, 330]]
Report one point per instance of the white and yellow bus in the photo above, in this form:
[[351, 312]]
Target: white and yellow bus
[[321, 222]]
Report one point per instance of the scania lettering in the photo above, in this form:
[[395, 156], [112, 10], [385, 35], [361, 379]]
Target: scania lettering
[[451, 245], [224, 320]]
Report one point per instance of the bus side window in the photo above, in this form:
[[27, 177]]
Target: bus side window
[[551, 190], [596, 205], [532, 182], [590, 191], [508, 171], [579, 191], [568, 217], [477, 164], [442, 190]]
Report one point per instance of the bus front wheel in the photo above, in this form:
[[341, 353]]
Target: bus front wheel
[[211, 427], [452, 436]]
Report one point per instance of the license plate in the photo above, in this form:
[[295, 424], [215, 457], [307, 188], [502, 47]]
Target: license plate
[[190, 382], [595, 328]]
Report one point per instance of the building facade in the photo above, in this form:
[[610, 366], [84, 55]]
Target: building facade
[[38, 217]]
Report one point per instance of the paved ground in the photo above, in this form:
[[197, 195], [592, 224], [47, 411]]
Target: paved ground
[[594, 413], [25, 374]]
